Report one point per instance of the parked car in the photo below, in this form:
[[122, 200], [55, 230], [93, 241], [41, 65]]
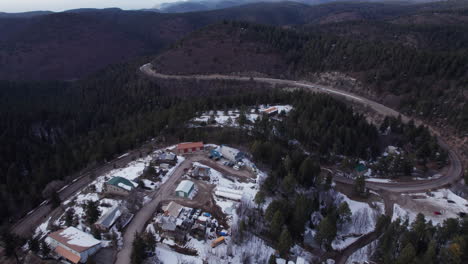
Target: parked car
[[437, 213], [450, 201]]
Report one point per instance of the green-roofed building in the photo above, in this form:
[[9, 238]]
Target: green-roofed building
[[360, 169], [119, 186]]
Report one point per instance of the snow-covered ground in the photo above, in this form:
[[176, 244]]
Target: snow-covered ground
[[252, 246], [230, 118], [444, 201], [403, 214], [363, 255], [132, 171], [363, 221]]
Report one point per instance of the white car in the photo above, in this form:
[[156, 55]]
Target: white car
[[236, 167]]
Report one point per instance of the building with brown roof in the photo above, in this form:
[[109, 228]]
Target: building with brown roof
[[73, 244], [190, 147], [172, 209]]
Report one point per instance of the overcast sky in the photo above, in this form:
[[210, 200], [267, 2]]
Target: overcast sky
[[60, 5]]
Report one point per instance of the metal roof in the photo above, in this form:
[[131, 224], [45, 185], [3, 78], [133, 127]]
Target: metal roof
[[184, 186]]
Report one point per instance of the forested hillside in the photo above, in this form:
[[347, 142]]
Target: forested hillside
[[77, 43], [428, 81], [53, 129]]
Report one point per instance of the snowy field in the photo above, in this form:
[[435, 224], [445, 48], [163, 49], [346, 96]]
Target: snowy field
[[443, 201], [230, 118], [362, 222]]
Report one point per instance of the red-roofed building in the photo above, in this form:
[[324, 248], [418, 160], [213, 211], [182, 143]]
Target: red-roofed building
[[191, 147], [271, 111]]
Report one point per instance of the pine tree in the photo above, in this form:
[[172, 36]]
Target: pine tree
[[407, 255], [360, 185], [45, 249], [33, 244], [276, 224], [272, 259], [92, 212], [138, 250], [344, 213], [55, 200], [284, 242], [326, 232], [308, 171]]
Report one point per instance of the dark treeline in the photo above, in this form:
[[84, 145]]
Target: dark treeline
[[422, 242], [428, 80], [51, 130]]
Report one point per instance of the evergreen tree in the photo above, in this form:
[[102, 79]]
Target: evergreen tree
[[34, 245], [326, 232], [272, 259], [407, 255], [284, 242], [138, 250], [344, 213], [45, 249], [276, 224], [308, 171], [360, 185], [92, 212], [55, 200]]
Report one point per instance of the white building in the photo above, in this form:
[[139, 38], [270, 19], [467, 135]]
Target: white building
[[184, 189], [231, 154], [73, 244]]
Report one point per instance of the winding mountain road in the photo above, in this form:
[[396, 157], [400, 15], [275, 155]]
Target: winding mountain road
[[452, 174]]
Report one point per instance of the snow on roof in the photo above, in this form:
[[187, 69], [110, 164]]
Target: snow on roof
[[185, 186], [122, 183], [190, 145], [270, 110], [109, 218], [280, 261], [231, 196], [75, 239], [228, 190], [172, 209], [300, 260]]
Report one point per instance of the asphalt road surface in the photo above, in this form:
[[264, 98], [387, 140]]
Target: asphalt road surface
[[25, 226], [453, 173]]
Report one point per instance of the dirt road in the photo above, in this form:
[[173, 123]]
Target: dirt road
[[141, 218], [453, 173]]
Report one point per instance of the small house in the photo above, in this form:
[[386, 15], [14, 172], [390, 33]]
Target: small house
[[165, 157], [270, 111], [73, 244], [184, 189], [201, 171], [109, 218], [172, 209], [119, 186], [191, 147]]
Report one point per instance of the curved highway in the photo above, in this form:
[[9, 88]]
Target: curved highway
[[452, 174]]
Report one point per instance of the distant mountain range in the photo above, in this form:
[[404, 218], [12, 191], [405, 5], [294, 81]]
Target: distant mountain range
[[73, 44]]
